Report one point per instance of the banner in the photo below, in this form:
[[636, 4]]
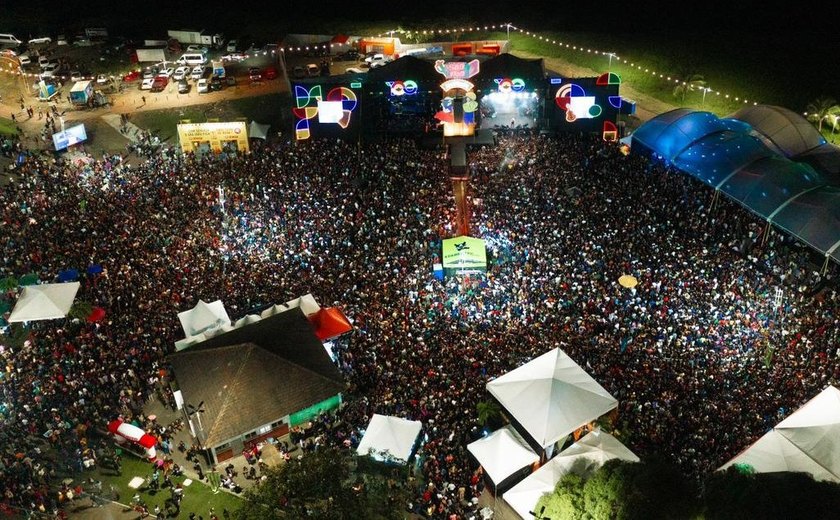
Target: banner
[[464, 254]]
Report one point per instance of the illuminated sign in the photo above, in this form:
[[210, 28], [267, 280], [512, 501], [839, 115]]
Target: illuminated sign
[[213, 136], [610, 132], [458, 107], [457, 69], [355, 84], [556, 81], [402, 88], [506, 85], [69, 137], [335, 109], [573, 100]]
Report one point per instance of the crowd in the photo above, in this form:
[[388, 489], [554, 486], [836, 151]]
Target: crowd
[[685, 352]]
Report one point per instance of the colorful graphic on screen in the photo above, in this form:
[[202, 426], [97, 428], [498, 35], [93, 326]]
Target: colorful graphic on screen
[[337, 108], [573, 100], [608, 78], [507, 85], [458, 107], [402, 88]]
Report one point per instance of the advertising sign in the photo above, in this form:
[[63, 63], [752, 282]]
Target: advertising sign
[[215, 137], [464, 254]]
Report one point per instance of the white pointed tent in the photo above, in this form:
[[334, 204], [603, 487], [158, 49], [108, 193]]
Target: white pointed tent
[[551, 396], [502, 453], [389, 434], [588, 454], [258, 131], [808, 440], [306, 303], [47, 301], [203, 317]]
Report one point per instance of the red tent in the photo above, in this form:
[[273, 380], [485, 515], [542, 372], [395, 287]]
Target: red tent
[[330, 323]]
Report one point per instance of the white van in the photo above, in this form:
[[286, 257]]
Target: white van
[[9, 41], [196, 58]]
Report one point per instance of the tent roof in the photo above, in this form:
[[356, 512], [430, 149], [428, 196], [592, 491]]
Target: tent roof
[[203, 317], [330, 323], [404, 68], [507, 65], [746, 165], [502, 453], [551, 396], [591, 451], [390, 434], [47, 301], [808, 440], [267, 369], [789, 132], [258, 130]]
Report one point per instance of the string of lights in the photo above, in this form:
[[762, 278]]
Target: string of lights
[[670, 78]]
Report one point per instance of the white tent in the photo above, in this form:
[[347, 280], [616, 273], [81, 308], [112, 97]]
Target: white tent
[[247, 320], [203, 317], [808, 440], [551, 396], [306, 303], [502, 453], [47, 301], [389, 434], [588, 454], [258, 131]]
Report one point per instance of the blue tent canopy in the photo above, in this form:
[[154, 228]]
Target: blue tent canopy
[[732, 157]]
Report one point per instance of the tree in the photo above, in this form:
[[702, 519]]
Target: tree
[[622, 490], [823, 108], [489, 413], [323, 485], [688, 82], [735, 494]]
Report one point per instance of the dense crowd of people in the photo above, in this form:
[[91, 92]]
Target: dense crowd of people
[[687, 353]]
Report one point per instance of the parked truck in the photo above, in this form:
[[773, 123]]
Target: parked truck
[[218, 68], [199, 37], [81, 93], [152, 54]]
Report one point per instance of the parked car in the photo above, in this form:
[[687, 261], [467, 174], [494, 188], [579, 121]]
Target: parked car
[[134, 75], [216, 83], [197, 48], [82, 41], [40, 41], [159, 83], [147, 83], [180, 73], [61, 40], [351, 55], [76, 76], [24, 59], [354, 70], [254, 74], [202, 86], [299, 72], [43, 60], [166, 73], [269, 72], [231, 46], [102, 79], [50, 71], [234, 56], [313, 70], [52, 66], [183, 86], [197, 71]]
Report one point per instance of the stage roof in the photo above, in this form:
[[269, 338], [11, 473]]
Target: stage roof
[[736, 159], [405, 68], [510, 66], [786, 131]]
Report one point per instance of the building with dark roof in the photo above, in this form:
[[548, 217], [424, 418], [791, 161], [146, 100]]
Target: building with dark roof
[[256, 382]]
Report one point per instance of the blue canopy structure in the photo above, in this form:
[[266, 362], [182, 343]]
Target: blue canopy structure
[[753, 168]]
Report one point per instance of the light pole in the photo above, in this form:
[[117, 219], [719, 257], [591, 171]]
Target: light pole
[[508, 30], [611, 55], [705, 91]]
